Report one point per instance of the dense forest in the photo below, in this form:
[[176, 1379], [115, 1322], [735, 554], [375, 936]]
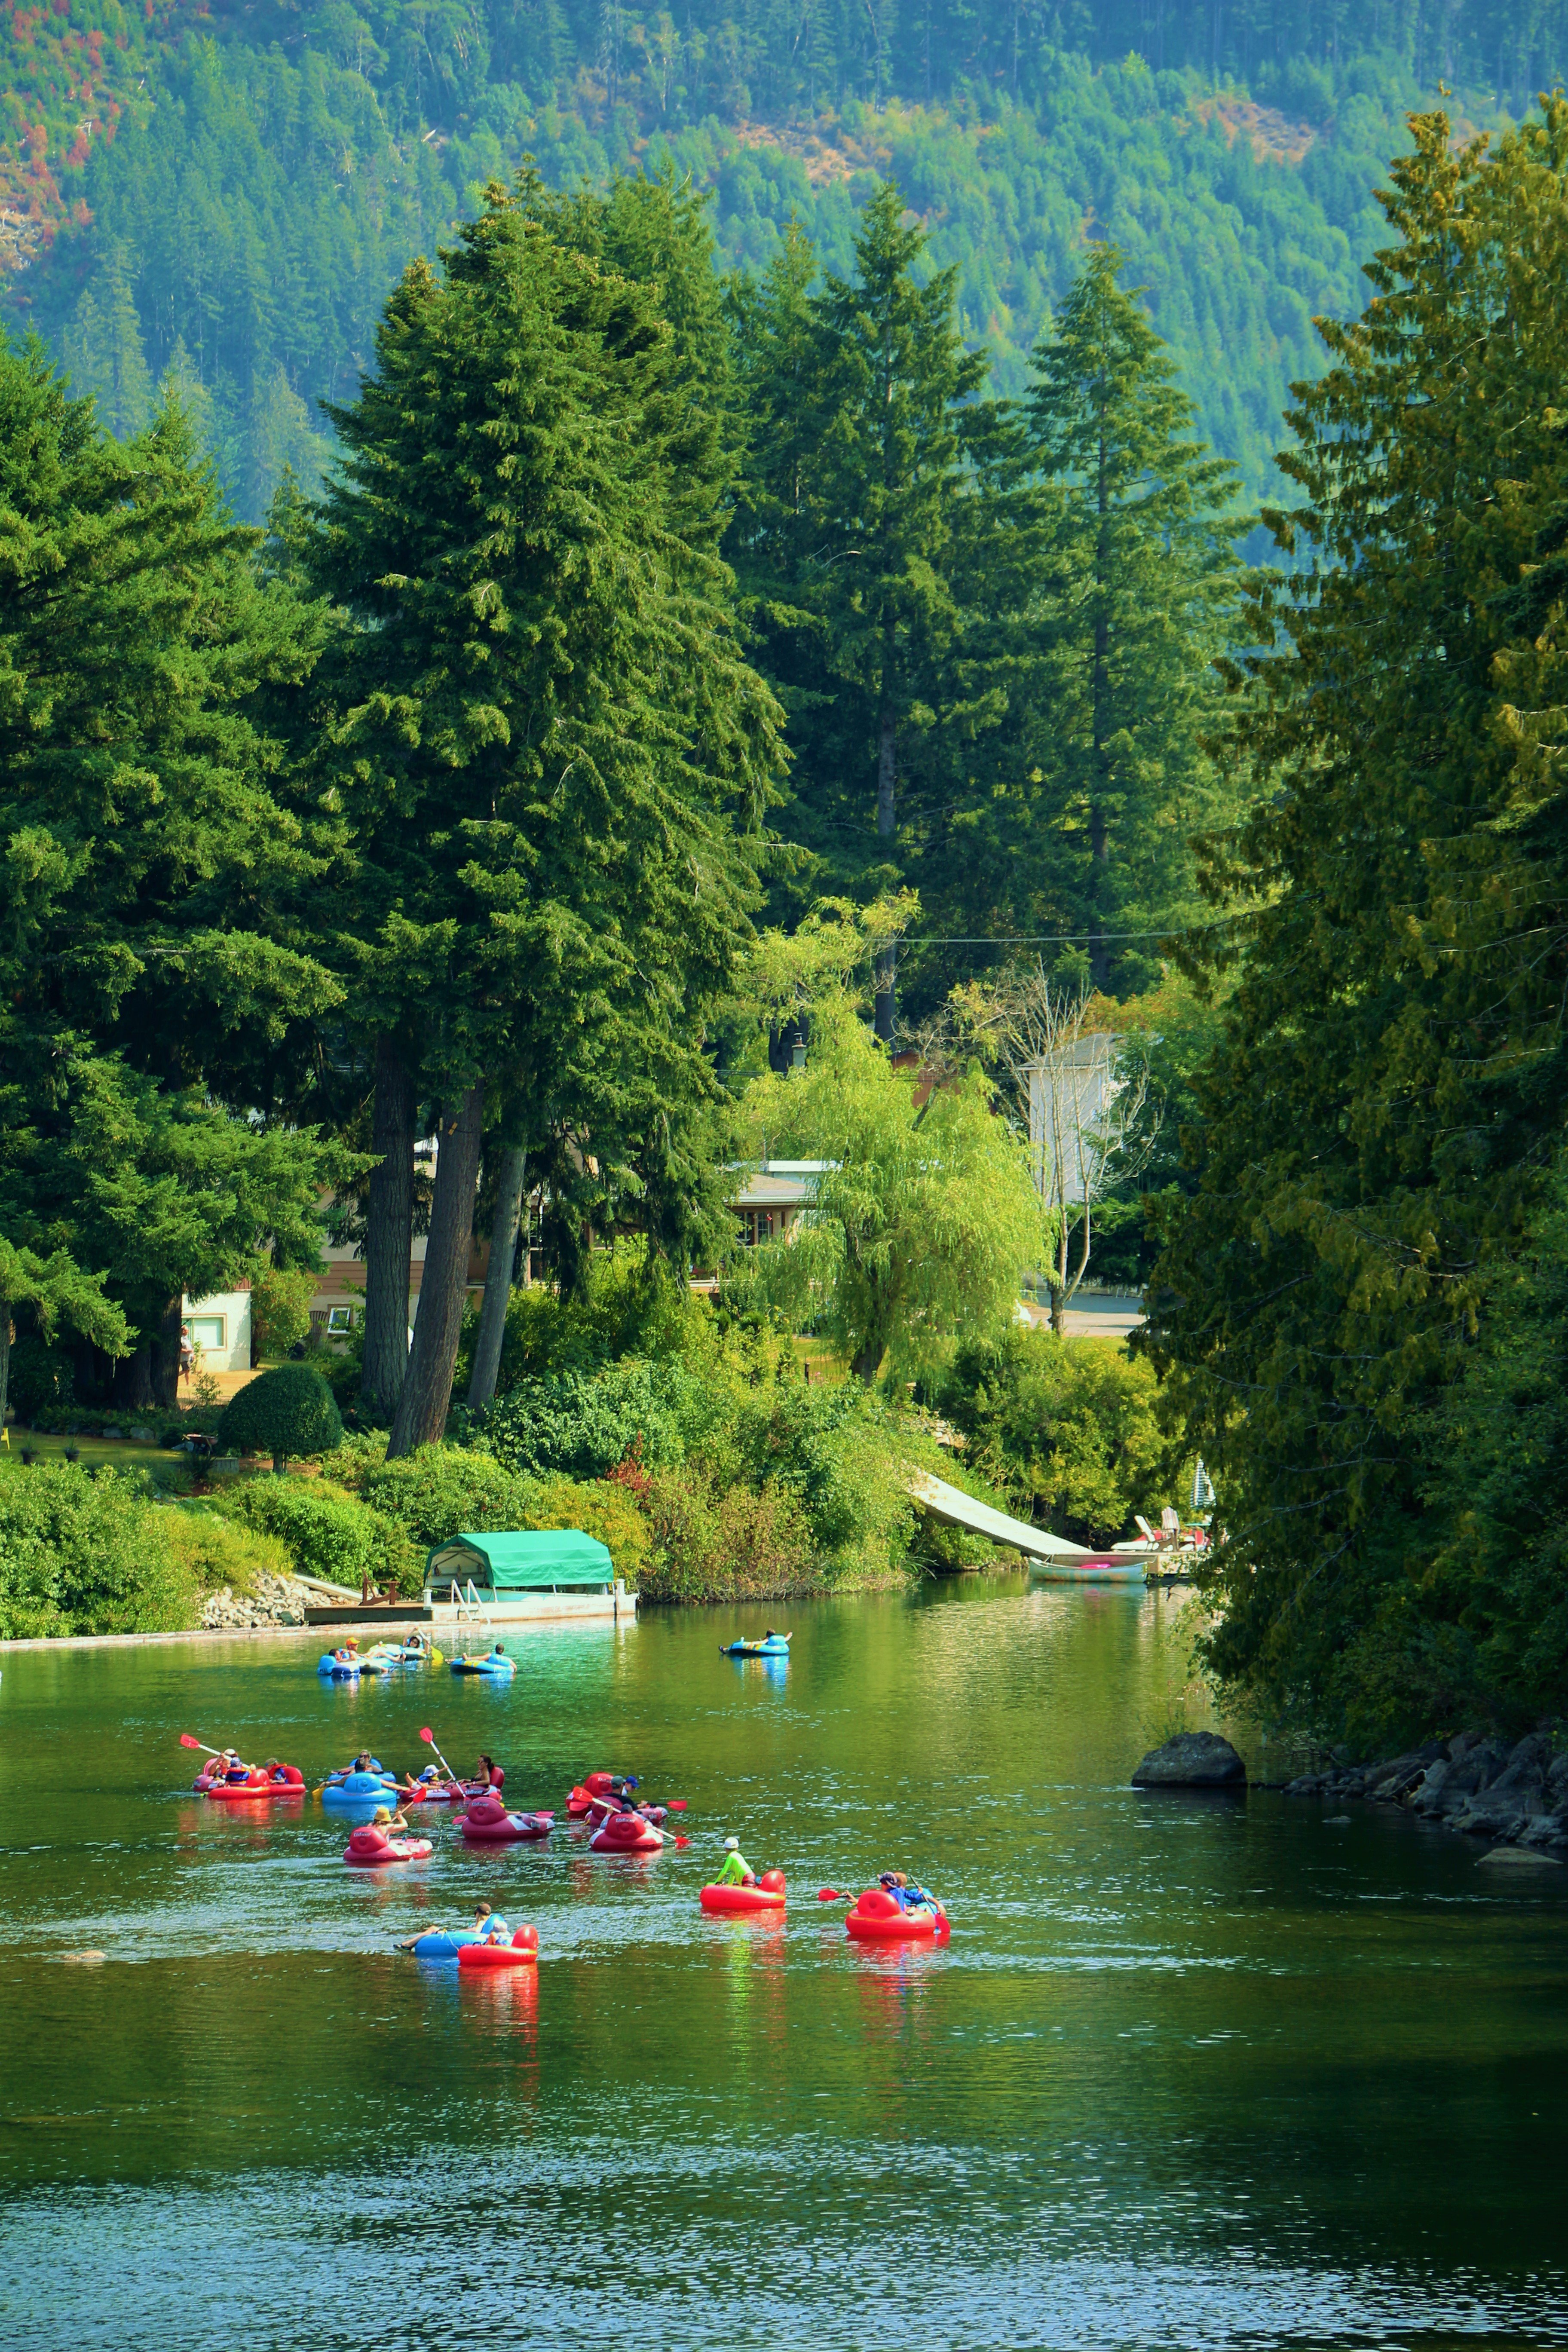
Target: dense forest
[[229, 192], [684, 669]]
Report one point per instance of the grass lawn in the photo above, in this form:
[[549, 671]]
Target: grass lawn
[[824, 1366], [123, 1452]]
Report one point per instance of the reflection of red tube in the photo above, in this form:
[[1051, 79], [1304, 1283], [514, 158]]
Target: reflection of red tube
[[510, 1996]]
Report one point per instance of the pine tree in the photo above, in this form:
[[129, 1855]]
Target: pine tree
[[145, 940], [1383, 1114], [1139, 591], [104, 351], [853, 523], [546, 723]]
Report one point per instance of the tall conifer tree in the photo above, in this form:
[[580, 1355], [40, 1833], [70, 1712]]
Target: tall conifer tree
[[548, 726], [1383, 1114], [1140, 588], [857, 530]]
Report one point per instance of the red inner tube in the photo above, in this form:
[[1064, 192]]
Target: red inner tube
[[878, 1920], [485, 1824], [257, 1785], [761, 1897], [522, 1952], [369, 1847], [636, 1837]]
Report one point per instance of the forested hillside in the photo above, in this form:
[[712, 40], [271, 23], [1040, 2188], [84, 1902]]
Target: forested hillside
[[229, 191]]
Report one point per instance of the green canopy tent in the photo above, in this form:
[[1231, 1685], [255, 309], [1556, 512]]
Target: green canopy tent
[[550, 1559]]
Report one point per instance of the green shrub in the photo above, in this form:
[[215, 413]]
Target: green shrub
[[329, 1536], [604, 1509], [280, 1309], [842, 1453], [215, 1551], [713, 1541], [441, 1490], [582, 1424], [80, 1554], [288, 1411], [619, 1308], [1066, 1427]]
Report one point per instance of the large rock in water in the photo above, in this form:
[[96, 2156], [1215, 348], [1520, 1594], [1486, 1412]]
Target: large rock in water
[[1193, 1760]]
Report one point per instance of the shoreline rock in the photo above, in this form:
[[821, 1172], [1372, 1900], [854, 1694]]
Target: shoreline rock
[[1515, 1796], [1191, 1760], [275, 1600]]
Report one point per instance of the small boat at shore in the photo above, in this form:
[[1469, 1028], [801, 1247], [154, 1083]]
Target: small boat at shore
[[1099, 1568]]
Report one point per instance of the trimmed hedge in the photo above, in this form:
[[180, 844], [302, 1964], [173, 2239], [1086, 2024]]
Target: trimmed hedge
[[288, 1411]]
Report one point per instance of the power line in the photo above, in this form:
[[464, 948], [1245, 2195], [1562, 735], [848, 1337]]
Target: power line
[[1057, 939]]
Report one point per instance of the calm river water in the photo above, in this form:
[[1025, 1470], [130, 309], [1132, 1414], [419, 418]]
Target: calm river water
[[1190, 2072]]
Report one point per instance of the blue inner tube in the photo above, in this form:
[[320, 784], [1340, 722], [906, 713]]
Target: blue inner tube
[[335, 1669], [441, 1944], [360, 1789], [484, 1666], [773, 1649]]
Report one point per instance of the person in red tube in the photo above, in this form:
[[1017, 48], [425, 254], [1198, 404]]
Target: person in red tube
[[908, 1893], [490, 1775]]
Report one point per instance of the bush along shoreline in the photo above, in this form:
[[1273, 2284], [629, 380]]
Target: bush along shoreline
[[1515, 1795], [687, 1440]]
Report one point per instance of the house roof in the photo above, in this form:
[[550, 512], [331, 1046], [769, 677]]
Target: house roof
[[534, 1561], [779, 1183]]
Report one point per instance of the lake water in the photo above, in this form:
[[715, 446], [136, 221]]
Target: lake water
[[1192, 2072]]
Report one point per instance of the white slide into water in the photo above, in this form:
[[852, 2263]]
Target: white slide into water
[[957, 1509]]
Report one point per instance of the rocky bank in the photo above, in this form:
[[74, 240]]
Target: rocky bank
[[274, 1600], [1481, 1786]]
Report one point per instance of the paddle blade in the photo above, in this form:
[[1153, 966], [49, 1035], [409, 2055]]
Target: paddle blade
[[426, 1734], [831, 1894], [679, 1841], [187, 1739], [677, 1804]]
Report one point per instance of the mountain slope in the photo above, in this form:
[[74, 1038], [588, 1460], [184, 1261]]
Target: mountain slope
[[229, 192]]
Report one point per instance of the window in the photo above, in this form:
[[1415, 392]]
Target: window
[[208, 1332], [756, 1225], [340, 1319]]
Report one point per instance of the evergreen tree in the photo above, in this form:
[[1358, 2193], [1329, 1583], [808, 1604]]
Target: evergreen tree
[[1384, 1110], [545, 721], [142, 899], [103, 350], [852, 523], [1138, 598]]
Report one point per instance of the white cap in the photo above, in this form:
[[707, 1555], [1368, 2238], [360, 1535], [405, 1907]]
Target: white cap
[[735, 1843]]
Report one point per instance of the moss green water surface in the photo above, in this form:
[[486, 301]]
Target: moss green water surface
[[1192, 2072]]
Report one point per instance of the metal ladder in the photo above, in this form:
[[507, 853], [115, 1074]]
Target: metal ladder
[[469, 1608]]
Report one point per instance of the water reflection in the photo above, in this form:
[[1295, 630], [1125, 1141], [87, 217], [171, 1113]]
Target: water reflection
[[1186, 2076]]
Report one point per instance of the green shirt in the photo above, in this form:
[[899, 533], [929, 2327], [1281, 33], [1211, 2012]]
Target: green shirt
[[736, 1871]]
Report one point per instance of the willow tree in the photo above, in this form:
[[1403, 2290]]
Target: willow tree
[[1385, 1108], [925, 1217], [552, 747]]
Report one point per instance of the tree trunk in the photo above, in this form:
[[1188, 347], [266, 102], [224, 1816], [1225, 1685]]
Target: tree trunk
[[887, 822], [422, 1408], [4, 1358], [134, 1380], [389, 1233], [1102, 723], [166, 1368], [498, 1279]]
